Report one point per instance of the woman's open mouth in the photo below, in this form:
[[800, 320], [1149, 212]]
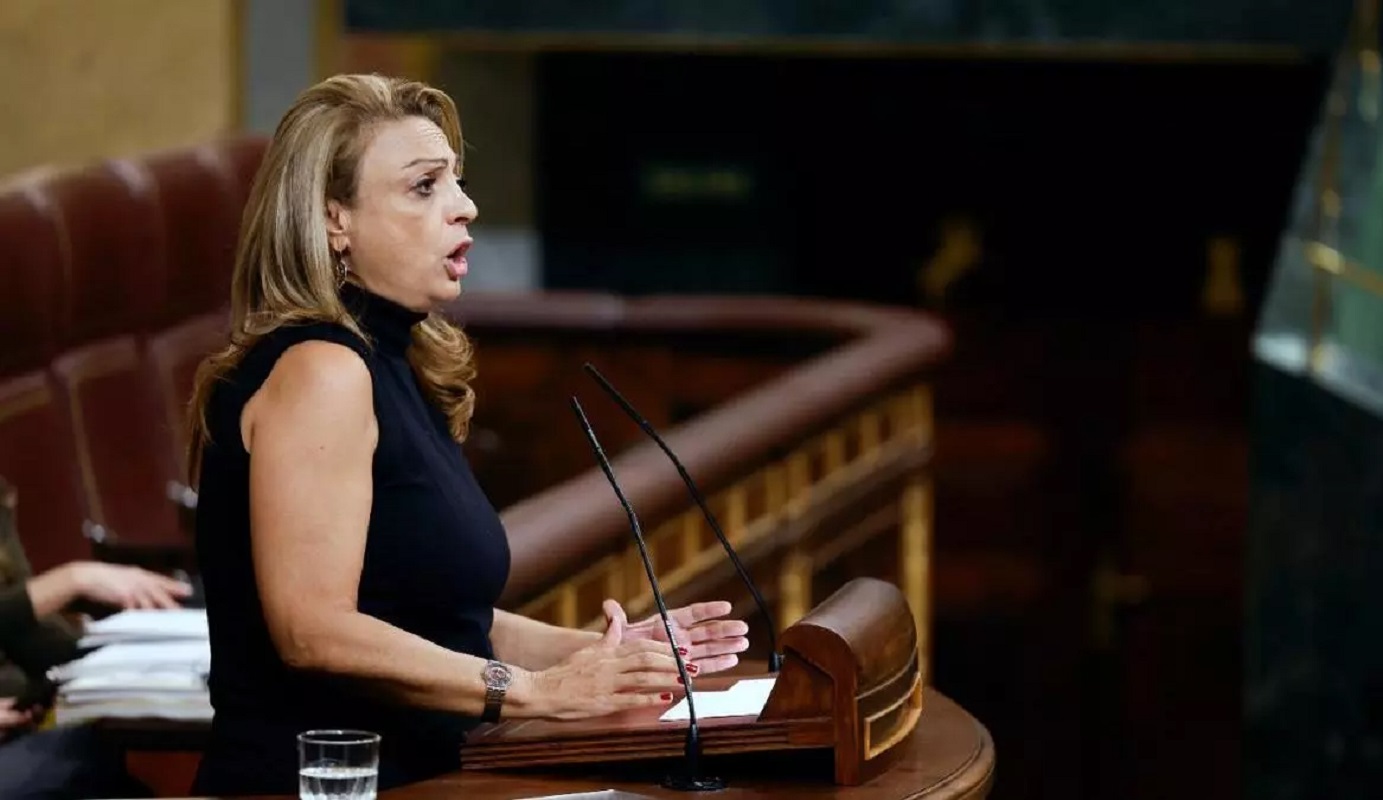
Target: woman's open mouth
[[456, 261]]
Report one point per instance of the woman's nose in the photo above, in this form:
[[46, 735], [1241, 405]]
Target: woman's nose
[[463, 208]]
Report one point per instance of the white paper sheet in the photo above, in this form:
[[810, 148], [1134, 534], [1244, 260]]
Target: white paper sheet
[[759, 688], [744, 699], [143, 625], [191, 656], [133, 685], [186, 710]]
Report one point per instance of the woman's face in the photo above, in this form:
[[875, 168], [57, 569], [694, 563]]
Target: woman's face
[[406, 231]]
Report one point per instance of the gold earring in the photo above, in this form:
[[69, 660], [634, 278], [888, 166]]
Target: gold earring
[[342, 269]]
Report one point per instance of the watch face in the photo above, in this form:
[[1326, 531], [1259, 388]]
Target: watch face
[[497, 676]]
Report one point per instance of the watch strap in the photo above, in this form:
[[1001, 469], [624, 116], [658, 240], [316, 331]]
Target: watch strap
[[494, 699]]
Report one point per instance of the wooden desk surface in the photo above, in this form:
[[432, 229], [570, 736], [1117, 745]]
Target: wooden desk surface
[[948, 757]]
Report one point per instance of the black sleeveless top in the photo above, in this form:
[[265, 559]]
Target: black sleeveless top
[[436, 560]]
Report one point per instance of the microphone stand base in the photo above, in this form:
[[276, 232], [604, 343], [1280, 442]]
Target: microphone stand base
[[687, 783]]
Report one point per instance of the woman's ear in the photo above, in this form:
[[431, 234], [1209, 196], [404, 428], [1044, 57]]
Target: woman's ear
[[338, 226]]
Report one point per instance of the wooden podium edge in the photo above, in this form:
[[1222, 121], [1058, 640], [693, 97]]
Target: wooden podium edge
[[974, 778], [745, 736], [851, 683]]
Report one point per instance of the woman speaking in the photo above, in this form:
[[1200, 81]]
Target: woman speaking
[[351, 562]]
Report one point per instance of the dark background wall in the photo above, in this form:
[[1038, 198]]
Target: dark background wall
[[1095, 186], [1313, 695], [1093, 194]]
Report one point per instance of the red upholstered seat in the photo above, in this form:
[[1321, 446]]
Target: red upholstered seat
[[123, 440], [113, 278], [175, 355], [113, 232], [198, 199], [243, 154], [37, 457], [31, 274]]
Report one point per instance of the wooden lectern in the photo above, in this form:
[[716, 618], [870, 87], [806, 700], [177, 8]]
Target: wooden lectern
[[851, 682]]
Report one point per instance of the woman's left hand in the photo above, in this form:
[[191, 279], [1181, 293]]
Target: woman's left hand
[[709, 642]]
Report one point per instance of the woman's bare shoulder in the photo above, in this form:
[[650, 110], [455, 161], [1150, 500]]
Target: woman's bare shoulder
[[320, 368], [315, 388]]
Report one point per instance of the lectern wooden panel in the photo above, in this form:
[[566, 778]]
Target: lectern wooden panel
[[851, 682], [949, 756]]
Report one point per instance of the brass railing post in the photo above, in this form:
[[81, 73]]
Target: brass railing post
[[794, 586], [914, 557]]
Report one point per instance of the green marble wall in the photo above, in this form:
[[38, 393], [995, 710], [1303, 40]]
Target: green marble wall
[[1313, 25], [1325, 327]]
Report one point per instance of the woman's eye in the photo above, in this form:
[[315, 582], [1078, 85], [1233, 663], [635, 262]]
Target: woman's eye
[[424, 186], [461, 181]]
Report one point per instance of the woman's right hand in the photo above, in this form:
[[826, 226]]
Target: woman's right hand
[[13, 719], [603, 678], [126, 587]]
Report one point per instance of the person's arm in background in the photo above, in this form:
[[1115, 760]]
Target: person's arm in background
[[24, 606], [32, 647], [17, 619], [32, 638]]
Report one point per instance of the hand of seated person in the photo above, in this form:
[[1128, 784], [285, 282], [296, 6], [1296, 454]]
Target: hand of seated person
[[13, 720], [126, 587], [709, 642]]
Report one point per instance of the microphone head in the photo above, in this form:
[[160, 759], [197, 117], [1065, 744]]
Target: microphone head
[[595, 373], [581, 415]]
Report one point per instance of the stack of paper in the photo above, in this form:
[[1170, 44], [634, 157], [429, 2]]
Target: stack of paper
[[145, 664]]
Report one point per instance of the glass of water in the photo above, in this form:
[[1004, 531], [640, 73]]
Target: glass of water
[[338, 765]]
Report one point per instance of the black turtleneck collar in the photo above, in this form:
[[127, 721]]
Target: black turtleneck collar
[[389, 324]]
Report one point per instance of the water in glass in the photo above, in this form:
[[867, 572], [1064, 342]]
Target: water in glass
[[335, 782], [338, 765]]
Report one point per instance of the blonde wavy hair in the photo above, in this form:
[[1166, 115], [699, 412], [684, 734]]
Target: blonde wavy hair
[[285, 272]]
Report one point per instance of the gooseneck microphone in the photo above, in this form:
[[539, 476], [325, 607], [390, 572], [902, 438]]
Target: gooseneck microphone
[[692, 780], [775, 659]]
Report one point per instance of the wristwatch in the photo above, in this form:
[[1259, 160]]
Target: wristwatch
[[497, 677]]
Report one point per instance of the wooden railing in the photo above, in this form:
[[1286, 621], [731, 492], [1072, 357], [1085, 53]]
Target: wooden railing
[[817, 474]]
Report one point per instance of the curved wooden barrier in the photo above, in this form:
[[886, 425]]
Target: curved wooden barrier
[[828, 453]]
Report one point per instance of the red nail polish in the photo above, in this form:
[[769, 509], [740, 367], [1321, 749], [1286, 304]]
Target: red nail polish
[[693, 668], [682, 650], [679, 680], [666, 697]]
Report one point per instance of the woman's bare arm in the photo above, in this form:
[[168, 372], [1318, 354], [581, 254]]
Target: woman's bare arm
[[311, 434], [535, 645]]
